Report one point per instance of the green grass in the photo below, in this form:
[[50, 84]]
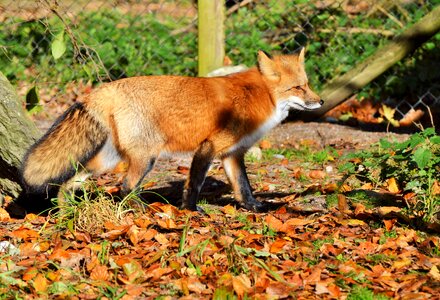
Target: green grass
[[363, 293]]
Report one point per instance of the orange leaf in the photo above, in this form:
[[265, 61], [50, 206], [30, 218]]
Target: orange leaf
[[273, 223], [277, 245], [30, 273], [389, 224], [25, 233], [100, 273], [142, 222], [4, 215], [183, 170], [40, 283], [392, 185], [265, 144], [359, 209]]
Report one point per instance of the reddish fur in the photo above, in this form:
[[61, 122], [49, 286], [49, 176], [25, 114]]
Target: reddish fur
[[147, 115]]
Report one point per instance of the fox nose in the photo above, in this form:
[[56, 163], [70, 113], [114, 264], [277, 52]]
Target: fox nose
[[321, 102]]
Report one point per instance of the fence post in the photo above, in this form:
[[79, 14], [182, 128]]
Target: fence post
[[211, 44]]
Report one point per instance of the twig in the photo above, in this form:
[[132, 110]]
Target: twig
[[354, 30], [77, 48]]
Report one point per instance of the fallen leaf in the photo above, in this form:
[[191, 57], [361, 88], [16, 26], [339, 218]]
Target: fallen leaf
[[183, 170], [4, 215], [402, 263], [278, 290], [389, 224], [30, 273], [100, 273], [342, 203], [435, 189], [411, 116], [265, 144], [229, 210], [276, 246], [273, 223], [241, 284], [392, 185], [385, 210], [434, 273], [291, 224], [40, 283], [317, 174]]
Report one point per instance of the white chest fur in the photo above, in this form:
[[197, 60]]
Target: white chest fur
[[279, 114]]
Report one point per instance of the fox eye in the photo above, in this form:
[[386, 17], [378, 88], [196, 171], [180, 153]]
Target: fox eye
[[296, 87]]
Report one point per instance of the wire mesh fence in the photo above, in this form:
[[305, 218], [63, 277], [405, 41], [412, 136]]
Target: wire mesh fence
[[70, 45]]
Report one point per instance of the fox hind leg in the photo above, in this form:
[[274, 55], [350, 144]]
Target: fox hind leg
[[138, 168], [235, 170]]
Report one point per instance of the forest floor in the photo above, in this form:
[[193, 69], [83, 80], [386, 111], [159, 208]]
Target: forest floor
[[318, 240]]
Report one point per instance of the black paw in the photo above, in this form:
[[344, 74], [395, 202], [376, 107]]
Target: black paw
[[195, 208], [254, 205]]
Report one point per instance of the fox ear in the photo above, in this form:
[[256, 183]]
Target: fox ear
[[267, 66], [302, 52]]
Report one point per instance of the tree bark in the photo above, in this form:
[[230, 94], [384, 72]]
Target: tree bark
[[17, 133], [344, 86]]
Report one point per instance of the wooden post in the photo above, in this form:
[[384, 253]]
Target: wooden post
[[211, 15], [342, 87]]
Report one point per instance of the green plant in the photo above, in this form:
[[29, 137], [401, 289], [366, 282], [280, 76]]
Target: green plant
[[363, 293], [414, 164]]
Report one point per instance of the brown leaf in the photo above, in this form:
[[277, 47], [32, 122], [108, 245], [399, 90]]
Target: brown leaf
[[291, 224], [278, 290], [342, 203], [100, 273], [241, 284], [385, 210], [133, 235], [317, 174], [411, 116]]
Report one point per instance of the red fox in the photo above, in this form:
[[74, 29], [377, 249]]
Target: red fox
[[136, 119]]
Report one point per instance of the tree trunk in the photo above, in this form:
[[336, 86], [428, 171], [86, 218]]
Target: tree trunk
[[17, 133]]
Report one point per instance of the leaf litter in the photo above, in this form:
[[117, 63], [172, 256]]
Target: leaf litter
[[305, 247]]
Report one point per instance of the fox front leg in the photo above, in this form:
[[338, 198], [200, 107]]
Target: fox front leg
[[199, 167], [235, 170]]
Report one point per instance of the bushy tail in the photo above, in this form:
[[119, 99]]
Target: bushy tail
[[74, 138]]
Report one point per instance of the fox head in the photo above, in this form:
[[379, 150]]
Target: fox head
[[287, 80]]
